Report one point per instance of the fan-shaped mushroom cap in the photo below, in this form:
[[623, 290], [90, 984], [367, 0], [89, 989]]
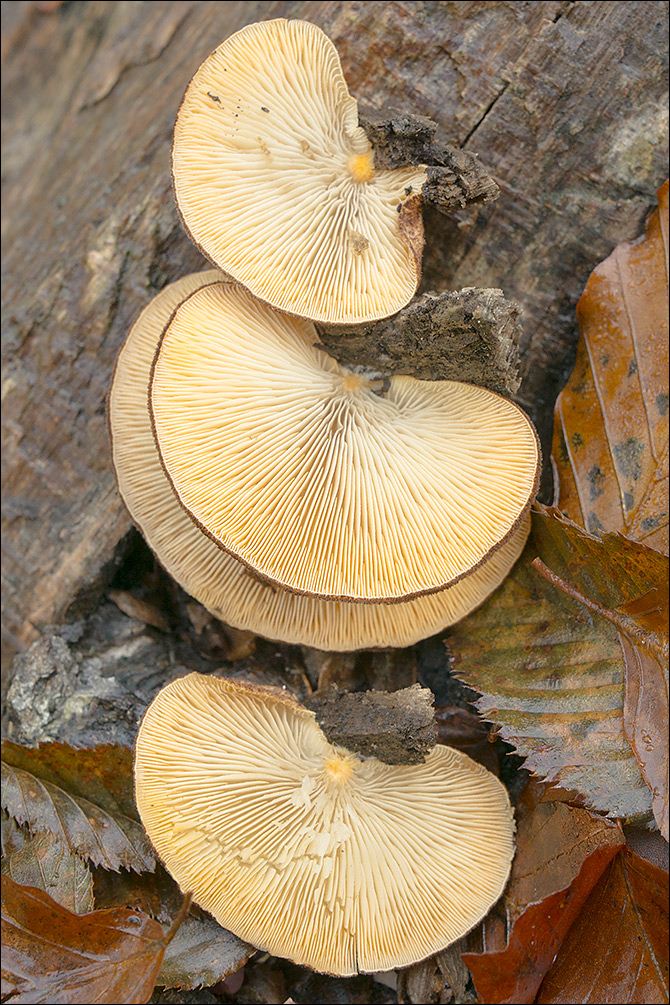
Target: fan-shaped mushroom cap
[[306, 851], [275, 180], [319, 479], [216, 579]]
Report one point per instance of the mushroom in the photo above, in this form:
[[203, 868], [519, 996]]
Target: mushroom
[[276, 184], [222, 584], [324, 480], [305, 850]]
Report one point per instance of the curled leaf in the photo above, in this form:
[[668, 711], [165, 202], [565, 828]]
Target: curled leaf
[[610, 446], [52, 955], [561, 853], [617, 950], [93, 826]]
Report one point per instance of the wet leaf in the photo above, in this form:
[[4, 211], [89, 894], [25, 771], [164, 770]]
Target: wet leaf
[[551, 675], [153, 893], [201, 954], [50, 954], [617, 950], [561, 853], [626, 584], [610, 446], [141, 610], [49, 798], [49, 866], [13, 836], [103, 774]]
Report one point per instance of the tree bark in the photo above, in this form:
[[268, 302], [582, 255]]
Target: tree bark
[[565, 103]]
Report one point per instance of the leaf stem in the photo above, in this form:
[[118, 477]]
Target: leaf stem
[[622, 622], [183, 911]]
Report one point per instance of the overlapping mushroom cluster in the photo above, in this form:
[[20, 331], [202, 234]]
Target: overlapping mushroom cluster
[[311, 503], [293, 497]]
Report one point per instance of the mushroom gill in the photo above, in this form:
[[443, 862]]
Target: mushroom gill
[[305, 850], [276, 184], [320, 480]]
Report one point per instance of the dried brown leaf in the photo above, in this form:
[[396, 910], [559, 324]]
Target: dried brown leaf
[[51, 954], [561, 853], [91, 826], [47, 864], [610, 446], [551, 675], [626, 584], [617, 950], [153, 893], [103, 774], [201, 954], [141, 610]]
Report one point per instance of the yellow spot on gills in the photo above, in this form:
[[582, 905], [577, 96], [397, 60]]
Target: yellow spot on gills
[[339, 767], [361, 166], [352, 381]]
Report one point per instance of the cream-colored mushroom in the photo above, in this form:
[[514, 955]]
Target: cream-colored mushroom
[[276, 184], [325, 481], [305, 850], [223, 584]]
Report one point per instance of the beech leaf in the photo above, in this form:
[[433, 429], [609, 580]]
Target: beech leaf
[[626, 584], [102, 774], [201, 954], [561, 853], [551, 671], [51, 954], [610, 447], [47, 864], [617, 949], [153, 893], [106, 836]]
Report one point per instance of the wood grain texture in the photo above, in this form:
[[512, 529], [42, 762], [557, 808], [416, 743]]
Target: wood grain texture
[[564, 102]]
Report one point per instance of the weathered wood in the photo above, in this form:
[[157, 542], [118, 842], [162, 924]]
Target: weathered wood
[[395, 727], [564, 102], [471, 335]]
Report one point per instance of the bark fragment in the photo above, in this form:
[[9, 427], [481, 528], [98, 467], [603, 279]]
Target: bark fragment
[[471, 335], [397, 727], [456, 179]]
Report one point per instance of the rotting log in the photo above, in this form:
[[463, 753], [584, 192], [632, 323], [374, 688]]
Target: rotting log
[[565, 103]]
